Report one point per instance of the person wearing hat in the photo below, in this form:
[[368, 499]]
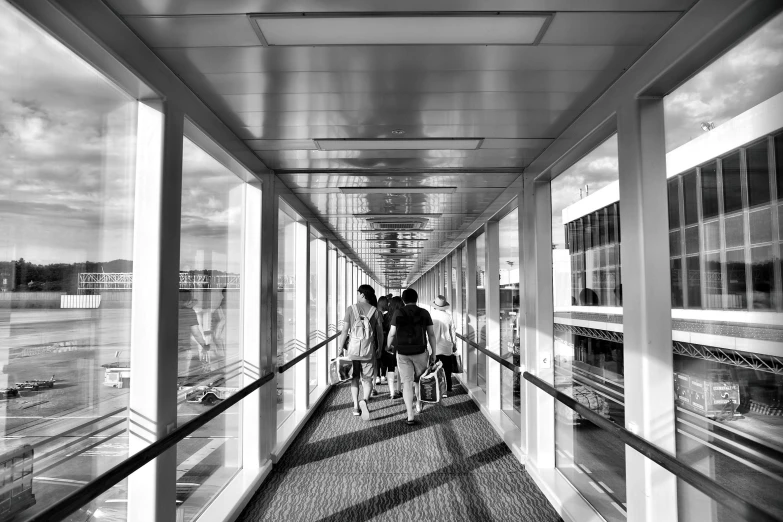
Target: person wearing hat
[[445, 347]]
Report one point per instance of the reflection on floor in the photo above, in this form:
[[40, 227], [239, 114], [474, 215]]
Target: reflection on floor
[[452, 466]]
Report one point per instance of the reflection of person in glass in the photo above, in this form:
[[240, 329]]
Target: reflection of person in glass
[[190, 335], [219, 331]]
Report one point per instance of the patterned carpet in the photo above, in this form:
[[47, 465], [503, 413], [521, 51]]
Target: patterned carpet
[[452, 466]]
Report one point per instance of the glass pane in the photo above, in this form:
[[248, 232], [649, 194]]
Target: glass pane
[[676, 268], [291, 236], [210, 355], [509, 309], [713, 281], [692, 240], [709, 190], [481, 309], [673, 186], [763, 277], [711, 236], [589, 362], [689, 198], [728, 395], [735, 277], [760, 226], [779, 165], [732, 184], [315, 331], [694, 281], [735, 231], [465, 315], [67, 154], [675, 248], [758, 173]]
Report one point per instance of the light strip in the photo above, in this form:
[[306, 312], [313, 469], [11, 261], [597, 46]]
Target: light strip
[[401, 28], [398, 190], [398, 215], [398, 144]]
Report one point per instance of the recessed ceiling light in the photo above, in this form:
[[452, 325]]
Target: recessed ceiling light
[[401, 28], [399, 144]]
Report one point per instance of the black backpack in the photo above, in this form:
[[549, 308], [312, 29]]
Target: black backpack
[[411, 333]]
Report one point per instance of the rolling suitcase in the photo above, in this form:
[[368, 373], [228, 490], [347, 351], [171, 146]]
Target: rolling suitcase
[[340, 370]]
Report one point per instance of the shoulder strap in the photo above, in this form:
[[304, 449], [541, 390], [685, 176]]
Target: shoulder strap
[[372, 312], [355, 311]]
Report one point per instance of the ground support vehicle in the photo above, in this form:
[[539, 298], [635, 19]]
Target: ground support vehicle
[[715, 396]]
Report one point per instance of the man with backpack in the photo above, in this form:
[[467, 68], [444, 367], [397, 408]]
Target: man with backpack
[[411, 327], [363, 327]]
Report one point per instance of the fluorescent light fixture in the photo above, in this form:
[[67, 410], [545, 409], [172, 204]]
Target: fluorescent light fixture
[[398, 190], [392, 215], [398, 144], [401, 28]]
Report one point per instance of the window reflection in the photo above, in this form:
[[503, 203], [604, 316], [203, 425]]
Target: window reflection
[[67, 153], [588, 348], [728, 347], [481, 310], [509, 312]]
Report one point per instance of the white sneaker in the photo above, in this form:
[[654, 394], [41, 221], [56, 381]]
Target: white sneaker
[[383, 380], [377, 380]]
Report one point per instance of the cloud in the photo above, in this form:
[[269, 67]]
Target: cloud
[[748, 74], [594, 171]]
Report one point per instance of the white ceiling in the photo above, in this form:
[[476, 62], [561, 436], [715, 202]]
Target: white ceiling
[[518, 98]]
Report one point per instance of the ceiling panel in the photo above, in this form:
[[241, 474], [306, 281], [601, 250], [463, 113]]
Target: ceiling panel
[[517, 98], [400, 59], [395, 83], [608, 28]]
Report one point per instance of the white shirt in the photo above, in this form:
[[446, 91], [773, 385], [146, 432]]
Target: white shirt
[[444, 328]]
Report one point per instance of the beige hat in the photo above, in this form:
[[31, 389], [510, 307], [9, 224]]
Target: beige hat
[[440, 302]]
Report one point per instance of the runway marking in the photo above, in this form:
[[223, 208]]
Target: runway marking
[[585, 469], [621, 510], [560, 452], [187, 484], [597, 488], [579, 470], [198, 456], [607, 488], [570, 455]]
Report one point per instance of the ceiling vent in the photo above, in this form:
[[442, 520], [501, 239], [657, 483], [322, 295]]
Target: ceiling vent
[[397, 223]]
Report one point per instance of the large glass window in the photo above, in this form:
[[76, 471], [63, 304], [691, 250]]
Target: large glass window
[[67, 154], [588, 347], [290, 342], [210, 351], [728, 392], [481, 310], [509, 311], [463, 253]]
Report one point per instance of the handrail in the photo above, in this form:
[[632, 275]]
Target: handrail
[[301, 356], [511, 366], [69, 504], [700, 481]]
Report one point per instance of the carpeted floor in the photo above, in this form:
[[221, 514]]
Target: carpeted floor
[[452, 466]]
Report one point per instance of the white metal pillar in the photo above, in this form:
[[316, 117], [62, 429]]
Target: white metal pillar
[[270, 207], [302, 311], [152, 412], [333, 312], [470, 360], [322, 308], [521, 315], [251, 331], [647, 326], [449, 281], [539, 314], [492, 296]]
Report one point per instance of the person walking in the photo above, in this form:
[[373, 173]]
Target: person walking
[[363, 328], [390, 351], [411, 328], [383, 307], [445, 347]]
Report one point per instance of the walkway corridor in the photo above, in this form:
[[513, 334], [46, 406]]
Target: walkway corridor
[[452, 466]]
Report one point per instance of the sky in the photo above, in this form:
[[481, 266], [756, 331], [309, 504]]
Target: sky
[[67, 151], [67, 163]]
